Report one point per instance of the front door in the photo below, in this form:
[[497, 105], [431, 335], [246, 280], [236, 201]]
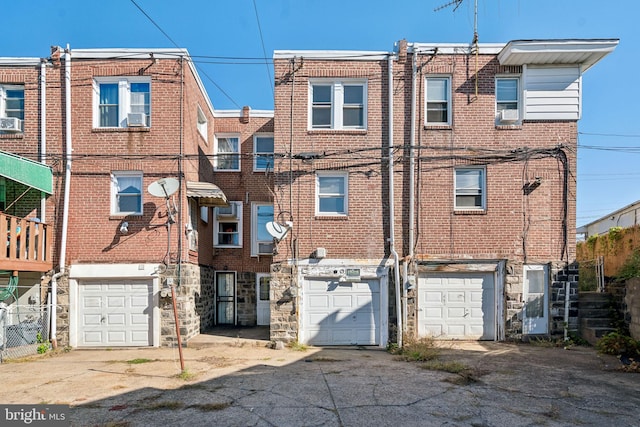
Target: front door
[[262, 299], [225, 297], [535, 313]]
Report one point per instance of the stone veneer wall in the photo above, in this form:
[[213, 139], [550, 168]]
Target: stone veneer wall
[[632, 307], [284, 303], [246, 298], [62, 322], [195, 302]]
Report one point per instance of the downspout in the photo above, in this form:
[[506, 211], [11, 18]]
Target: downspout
[[412, 162], [392, 249], [67, 185], [43, 129]]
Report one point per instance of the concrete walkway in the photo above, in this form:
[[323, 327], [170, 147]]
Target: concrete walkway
[[237, 381]]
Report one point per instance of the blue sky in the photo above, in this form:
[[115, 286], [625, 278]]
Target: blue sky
[[222, 34]]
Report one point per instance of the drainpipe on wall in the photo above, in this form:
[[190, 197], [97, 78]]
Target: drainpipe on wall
[[412, 177], [67, 185], [43, 129], [392, 249]]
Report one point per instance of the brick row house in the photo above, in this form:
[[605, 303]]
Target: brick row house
[[431, 191], [426, 191], [120, 148]]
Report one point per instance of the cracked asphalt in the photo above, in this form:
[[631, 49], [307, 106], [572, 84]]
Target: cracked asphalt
[[243, 383]]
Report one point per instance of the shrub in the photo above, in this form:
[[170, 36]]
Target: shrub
[[617, 344]]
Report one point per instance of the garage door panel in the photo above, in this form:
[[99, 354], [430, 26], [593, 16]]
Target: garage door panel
[[341, 301], [92, 337], [338, 313], [318, 301], [117, 337], [116, 319], [91, 319], [465, 309], [115, 313], [116, 302], [91, 302]]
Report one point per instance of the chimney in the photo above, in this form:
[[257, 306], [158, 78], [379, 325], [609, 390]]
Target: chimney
[[402, 50], [55, 56], [245, 114]]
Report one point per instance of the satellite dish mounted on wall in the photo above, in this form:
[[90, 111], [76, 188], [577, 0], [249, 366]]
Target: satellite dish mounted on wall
[[278, 231], [164, 187]]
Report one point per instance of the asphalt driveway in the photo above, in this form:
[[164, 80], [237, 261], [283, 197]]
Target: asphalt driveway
[[243, 383]]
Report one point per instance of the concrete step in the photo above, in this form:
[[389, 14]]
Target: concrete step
[[592, 335], [594, 296], [595, 322], [586, 313]]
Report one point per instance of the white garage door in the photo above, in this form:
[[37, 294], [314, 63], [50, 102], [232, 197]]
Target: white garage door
[[457, 306], [341, 313], [115, 313]]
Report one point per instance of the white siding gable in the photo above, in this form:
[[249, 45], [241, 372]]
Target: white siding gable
[[552, 93]]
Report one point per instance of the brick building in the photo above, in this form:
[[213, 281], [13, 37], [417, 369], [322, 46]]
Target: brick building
[[131, 146], [442, 207]]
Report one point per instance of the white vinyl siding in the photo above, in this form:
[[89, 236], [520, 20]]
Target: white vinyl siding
[[552, 93]]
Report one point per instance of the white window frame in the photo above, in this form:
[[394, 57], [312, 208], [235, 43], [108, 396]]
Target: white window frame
[[448, 102], [337, 104], [124, 99], [482, 189], [237, 220], [192, 225], [517, 101], [115, 209], [262, 154], [216, 160], [345, 195], [202, 124], [255, 242], [3, 104]]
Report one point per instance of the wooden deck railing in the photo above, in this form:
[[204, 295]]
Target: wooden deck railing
[[25, 244]]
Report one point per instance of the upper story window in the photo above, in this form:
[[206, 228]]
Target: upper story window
[[337, 104], [438, 109], [261, 240], [11, 108], [507, 99], [332, 193], [121, 102], [227, 153], [228, 225], [202, 124], [262, 153], [470, 188], [126, 193]]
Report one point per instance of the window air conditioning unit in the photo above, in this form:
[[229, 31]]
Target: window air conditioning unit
[[227, 211], [265, 248], [10, 124], [136, 119], [509, 115]]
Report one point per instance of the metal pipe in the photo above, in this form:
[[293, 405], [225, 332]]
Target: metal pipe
[[392, 249], [67, 190], [43, 129]]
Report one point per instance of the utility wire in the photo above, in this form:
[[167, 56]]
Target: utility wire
[[176, 45], [264, 51]]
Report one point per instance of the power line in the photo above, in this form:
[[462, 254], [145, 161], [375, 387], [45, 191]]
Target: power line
[[264, 51], [176, 45], [616, 135]]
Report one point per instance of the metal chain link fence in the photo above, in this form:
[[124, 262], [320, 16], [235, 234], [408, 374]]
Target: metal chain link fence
[[24, 328]]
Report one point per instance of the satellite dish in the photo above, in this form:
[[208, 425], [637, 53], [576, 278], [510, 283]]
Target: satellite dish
[[278, 231], [164, 187]]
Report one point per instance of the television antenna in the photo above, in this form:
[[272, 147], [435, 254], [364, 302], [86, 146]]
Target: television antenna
[[456, 4]]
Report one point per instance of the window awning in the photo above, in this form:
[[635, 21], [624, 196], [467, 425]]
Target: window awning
[[208, 194], [26, 171]]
